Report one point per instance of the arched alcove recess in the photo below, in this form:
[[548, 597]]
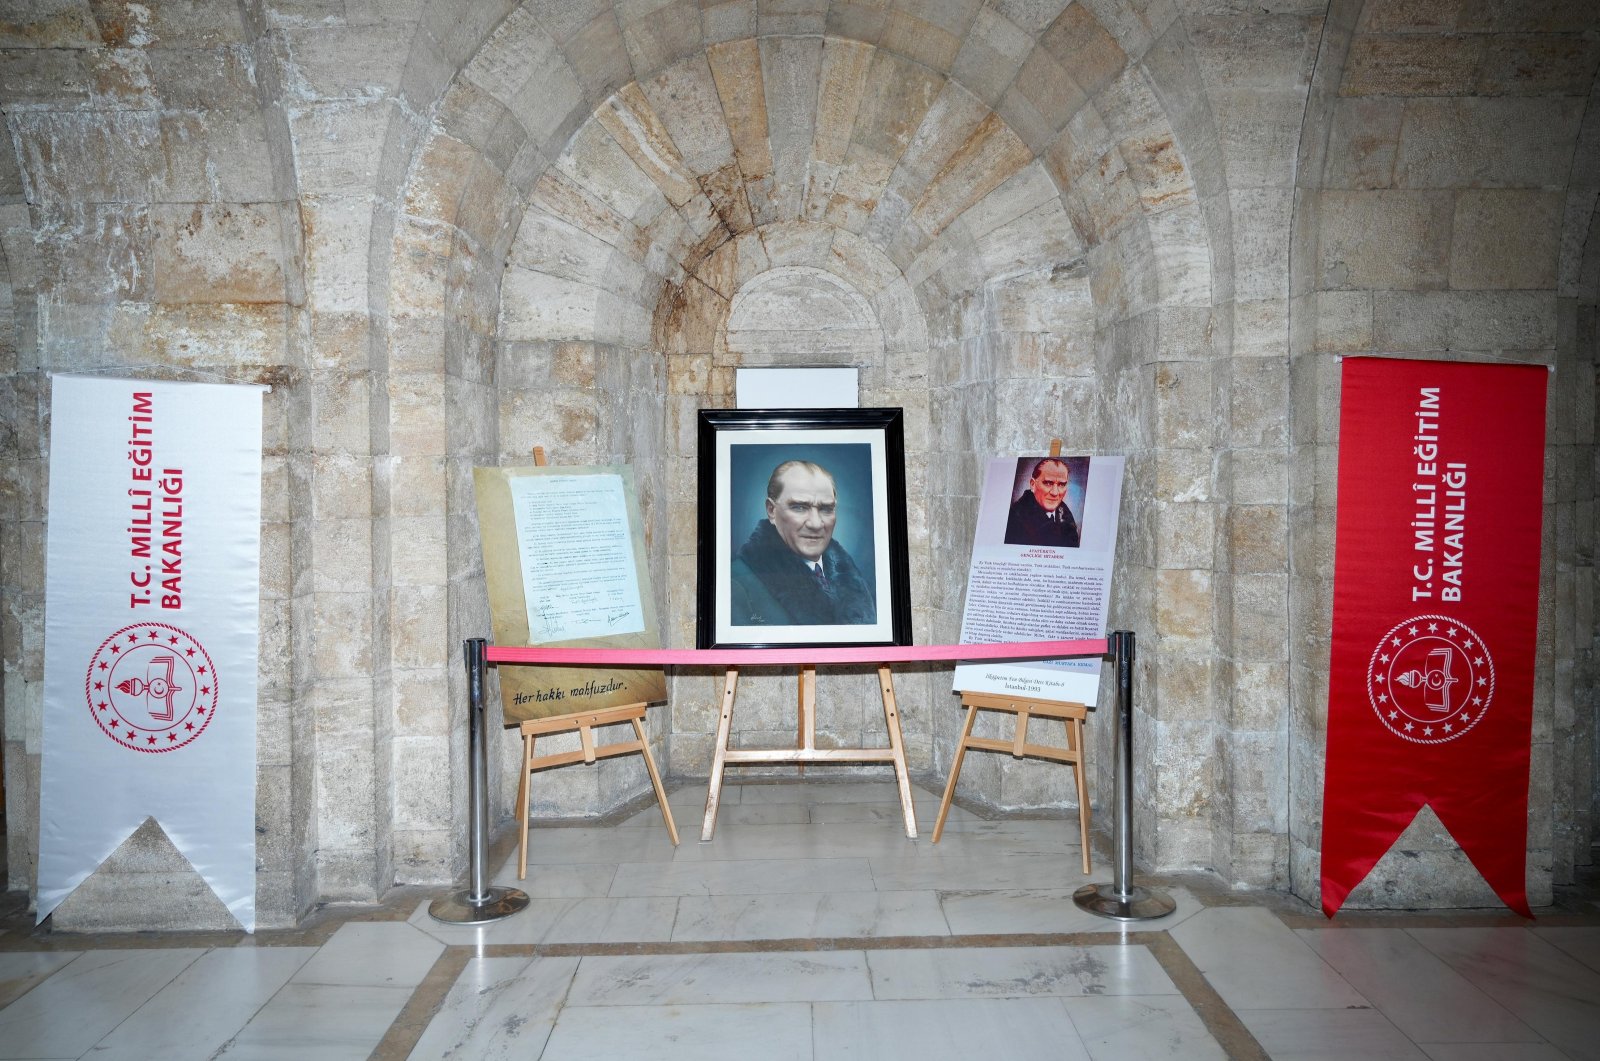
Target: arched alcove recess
[[1043, 236], [1488, 255]]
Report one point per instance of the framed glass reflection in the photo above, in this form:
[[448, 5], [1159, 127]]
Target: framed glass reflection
[[802, 528]]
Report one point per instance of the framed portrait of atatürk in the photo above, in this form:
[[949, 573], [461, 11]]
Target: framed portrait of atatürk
[[802, 528]]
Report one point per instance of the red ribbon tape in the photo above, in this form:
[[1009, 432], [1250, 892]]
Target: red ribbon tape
[[781, 657]]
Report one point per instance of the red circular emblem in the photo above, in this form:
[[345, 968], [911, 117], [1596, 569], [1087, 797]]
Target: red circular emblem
[[151, 687], [1431, 679]]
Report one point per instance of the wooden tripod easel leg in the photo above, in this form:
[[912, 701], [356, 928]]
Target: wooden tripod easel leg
[[955, 771], [655, 779], [805, 738], [719, 760], [523, 796], [902, 776]]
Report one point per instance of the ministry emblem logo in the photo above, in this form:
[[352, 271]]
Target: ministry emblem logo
[[1431, 679], [151, 687]]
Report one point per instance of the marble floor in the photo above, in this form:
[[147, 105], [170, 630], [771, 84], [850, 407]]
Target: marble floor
[[811, 927]]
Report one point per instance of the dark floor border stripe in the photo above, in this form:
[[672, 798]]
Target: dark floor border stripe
[[1219, 1018], [423, 1005]]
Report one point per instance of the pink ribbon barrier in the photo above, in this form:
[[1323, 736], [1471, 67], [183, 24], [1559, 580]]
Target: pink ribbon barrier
[[788, 657]]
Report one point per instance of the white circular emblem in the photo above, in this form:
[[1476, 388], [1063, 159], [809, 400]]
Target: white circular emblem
[[151, 687], [1431, 679]]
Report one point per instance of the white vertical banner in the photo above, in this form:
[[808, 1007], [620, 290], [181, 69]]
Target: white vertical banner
[[152, 590]]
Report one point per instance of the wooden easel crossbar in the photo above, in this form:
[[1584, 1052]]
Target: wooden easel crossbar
[[806, 750], [588, 752]]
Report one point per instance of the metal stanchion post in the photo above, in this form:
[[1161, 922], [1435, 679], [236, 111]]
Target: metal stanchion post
[[1121, 899], [479, 903]]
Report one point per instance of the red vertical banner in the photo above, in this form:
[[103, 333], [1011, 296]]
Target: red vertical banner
[[1435, 604]]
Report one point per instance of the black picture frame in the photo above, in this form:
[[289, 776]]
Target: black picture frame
[[754, 590]]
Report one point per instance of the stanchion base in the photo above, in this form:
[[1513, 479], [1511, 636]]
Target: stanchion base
[[1139, 904], [457, 909]]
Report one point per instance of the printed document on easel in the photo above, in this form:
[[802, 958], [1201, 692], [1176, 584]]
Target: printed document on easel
[[1041, 571], [577, 557]]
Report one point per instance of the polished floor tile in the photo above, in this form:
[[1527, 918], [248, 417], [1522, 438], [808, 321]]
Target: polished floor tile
[[821, 915], [1131, 1027], [1418, 992], [709, 979], [499, 1009], [318, 1022], [79, 1005], [716, 1032], [981, 912], [953, 873], [1552, 992], [1023, 1029], [1329, 1035], [376, 954], [1001, 972], [760, 877], [1255, 961], [19, 973], [811, 927], [1581, 943], [234, 983]]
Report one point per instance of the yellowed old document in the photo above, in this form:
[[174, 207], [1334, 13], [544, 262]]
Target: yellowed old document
[[563, 555]]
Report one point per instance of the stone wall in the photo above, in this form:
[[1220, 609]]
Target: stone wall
[[447, 231]]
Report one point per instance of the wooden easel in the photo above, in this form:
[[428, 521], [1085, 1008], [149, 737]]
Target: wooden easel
[[583, 722], [806, 750], [1072, 715]]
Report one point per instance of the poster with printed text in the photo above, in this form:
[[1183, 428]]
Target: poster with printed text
[[152, 597], [1435, 605], [1041, 571]]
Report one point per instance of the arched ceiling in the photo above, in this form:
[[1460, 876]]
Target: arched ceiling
[[965, 154]]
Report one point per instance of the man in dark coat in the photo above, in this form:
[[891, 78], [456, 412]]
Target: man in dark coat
[[1041, 516], [790, 572]]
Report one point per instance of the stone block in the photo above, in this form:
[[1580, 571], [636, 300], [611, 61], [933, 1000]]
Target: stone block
[[934, 46], [991, 53], [340, 633], [727, 20], [418, 548], [1344, 321], [1261, 218], [1260, 617], [1031, 16], [1260, 695], [1184, 415], [1395, 240], [223, 253], [423, 800], [542, 306], [1182, 688], [334, 61], [1538, 65], [1258, 402], [736, 70], [1486, 143], [596, 163], [1081, 44], [1183, 603], [684, 98], [1505, 239], [791, 16], [1383, 64], [1185, 534], [1363, 143], [338, 145], [1258, 132], [1258, 538]]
